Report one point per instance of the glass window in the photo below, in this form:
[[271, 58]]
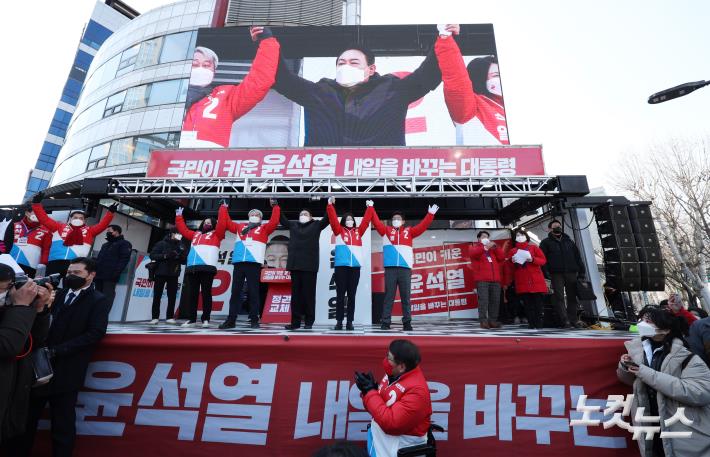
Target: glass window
[[183, 90], [149, 52], [114, 103], [145, 144], [176, 47], [164, 92], [71, 167], [136, 97], [173, 140], [100, 151], [128, 60], [121, 151]]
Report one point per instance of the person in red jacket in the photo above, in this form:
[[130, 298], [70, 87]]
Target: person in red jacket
[[530, 284], [400, 405], [676, 308], [211, 110], [348, 259], [472, 94], [31, 242], [201, 266], [486, 258], [70, 239]]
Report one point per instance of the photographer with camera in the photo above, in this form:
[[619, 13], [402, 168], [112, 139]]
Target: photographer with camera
[[24, 321], [79, 321]]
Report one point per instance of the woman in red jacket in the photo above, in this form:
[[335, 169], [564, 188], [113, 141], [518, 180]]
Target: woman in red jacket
[[530, 283], [486, 258]]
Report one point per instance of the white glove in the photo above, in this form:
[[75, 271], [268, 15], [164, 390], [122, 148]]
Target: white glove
[[369, 203], [331, 200], [433, 209], [178, 212]]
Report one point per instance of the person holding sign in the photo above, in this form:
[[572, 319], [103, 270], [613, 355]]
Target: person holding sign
[[530, 283], [248, 258], [303, 262], [398, 258], [348, 259], [202, 259]]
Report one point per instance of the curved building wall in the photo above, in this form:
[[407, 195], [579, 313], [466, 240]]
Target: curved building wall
[[285, 12], [133, 97]]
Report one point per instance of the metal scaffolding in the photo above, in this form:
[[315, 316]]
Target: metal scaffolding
[[348, 187]]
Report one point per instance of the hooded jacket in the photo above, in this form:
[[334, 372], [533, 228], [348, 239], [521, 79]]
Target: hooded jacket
[[113, 258], [251, 247], [528, 277], [486, 265], [397, 243], [371, 113], [562, 255], [170, 255], [675, 387]]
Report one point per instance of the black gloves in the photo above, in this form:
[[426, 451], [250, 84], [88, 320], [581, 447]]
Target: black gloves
[[38, 197], [265, 34], [365, 382], [113, 208]]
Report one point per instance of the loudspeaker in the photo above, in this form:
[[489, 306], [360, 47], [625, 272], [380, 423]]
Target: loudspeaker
[[653, 283], [621, 255], [621, 241], [647, 240], [573, 185], [623, 269], [643, 226], [615, 227], [95, 187], [608, 212], [652, 254], [624, 284], [640, 212]]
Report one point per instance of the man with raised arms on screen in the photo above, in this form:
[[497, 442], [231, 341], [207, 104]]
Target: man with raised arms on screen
[[359, 107], [211, 110]]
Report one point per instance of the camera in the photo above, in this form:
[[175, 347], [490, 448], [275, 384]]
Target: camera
[[52, 279]]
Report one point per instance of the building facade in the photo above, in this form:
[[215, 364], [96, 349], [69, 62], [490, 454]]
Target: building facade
[[133, 97], [105, 19]]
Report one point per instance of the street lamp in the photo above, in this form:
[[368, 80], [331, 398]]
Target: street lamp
[[675, 92]]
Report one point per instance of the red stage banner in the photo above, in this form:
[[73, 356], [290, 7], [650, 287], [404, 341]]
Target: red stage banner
[[203, 395], [344, 162], [277, 307]]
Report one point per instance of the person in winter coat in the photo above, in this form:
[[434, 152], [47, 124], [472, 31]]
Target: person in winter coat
[[400, 405], [666, 376], [303, 261], [564, 266], [30, 242], [530, 286], [398, 260], [71, 239], [111, 261], [24, 323], [348, 259], [486, 259], [169, 254], [473, 95], [359, 107], [202, 262], [675, 305], [248, 259], [212, 109]]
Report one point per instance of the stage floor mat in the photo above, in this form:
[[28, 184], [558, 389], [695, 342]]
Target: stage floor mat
[[429, 327]]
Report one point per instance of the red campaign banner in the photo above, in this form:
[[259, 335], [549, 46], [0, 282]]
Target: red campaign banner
[[344, 162], [440, 273], [207, 395], [277, 307]]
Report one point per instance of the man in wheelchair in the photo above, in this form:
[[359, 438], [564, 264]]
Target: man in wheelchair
[[400, 405]]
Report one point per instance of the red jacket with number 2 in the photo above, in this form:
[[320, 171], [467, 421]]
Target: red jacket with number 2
[[528, 277]]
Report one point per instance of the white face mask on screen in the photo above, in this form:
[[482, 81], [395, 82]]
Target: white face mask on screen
[[520, 239], [303, 219], [348, 76], [254, 219], [350, 223], [493, 86], [396, 223], [201, 77], [76, 222], [33, 218]]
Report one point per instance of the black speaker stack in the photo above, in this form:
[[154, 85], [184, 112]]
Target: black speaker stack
[[631, 250]]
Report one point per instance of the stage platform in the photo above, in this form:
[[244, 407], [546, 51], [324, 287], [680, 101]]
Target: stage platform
[[427, 327], [164, 390]]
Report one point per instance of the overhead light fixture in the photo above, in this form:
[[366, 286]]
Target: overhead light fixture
[[675, 92]]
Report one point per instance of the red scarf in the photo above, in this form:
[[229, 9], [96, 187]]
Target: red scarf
[[74, 237]]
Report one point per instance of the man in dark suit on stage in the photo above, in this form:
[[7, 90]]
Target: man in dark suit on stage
[[79, 320]]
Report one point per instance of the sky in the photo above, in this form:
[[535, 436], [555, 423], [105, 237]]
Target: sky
[[576, 75]]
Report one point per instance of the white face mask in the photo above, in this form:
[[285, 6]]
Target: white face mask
[[76, 222], [485, 241], [254, 219], [348, 76], [493, 86], [32, 218], [396, 223], [350, 223], [646, 329], [178, 236], [201, 76], [520, 239], [303, 219]]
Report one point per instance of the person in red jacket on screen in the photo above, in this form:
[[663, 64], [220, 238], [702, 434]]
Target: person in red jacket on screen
[[530, 285], [211, 110], [400, 405], [486, 258], [473, 94]]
